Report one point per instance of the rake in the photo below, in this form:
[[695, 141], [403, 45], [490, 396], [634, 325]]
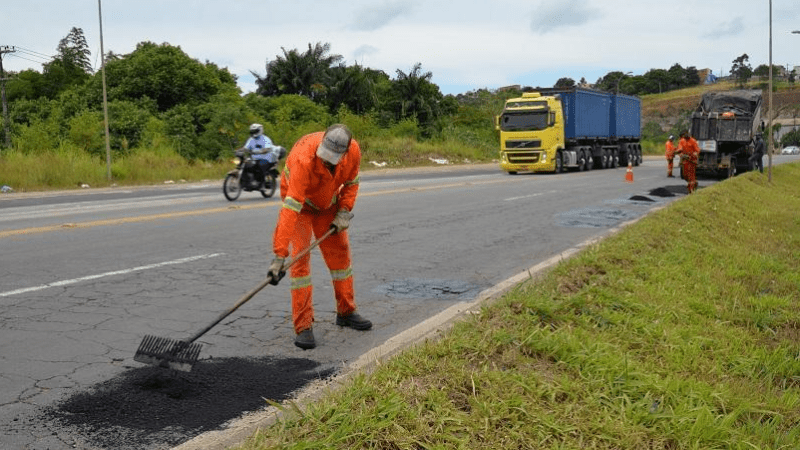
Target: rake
[[182, 354]]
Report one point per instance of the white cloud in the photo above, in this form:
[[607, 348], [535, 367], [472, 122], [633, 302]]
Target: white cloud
[[733, 27], [375, 16], [552, 16]]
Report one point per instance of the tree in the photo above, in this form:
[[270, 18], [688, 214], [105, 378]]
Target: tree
[[74, 50], [70, 67], [165, 74], [763, 70], [414, 96], [354, 87], [741, 70], [564, 83], [298, 73]]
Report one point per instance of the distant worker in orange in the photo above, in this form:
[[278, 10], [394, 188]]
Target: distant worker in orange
[[690, 156], [670, 154], [319, 188]]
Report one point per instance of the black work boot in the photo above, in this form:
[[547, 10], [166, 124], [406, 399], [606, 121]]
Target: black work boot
[[305, 339], [354, 321]]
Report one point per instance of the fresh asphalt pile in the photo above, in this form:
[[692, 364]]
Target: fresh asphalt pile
[[148, 407]]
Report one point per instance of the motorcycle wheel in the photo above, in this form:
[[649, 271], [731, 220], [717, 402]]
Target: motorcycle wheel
[[270, 184], [231, 187]]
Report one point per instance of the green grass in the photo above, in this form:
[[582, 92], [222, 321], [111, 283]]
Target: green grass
[[680, 332]]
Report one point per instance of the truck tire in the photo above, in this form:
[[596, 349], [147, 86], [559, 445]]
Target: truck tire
[[589, 159], [559, 162], [581, 160], [615, 159]]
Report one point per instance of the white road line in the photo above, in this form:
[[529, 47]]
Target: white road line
[[511, 199], [108, 274]]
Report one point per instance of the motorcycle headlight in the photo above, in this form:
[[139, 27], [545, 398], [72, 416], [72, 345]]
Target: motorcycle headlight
[[237, 160]]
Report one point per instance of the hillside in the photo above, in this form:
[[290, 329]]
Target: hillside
[[669, 108]]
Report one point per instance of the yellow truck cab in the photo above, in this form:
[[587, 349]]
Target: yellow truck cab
[[531, 132]]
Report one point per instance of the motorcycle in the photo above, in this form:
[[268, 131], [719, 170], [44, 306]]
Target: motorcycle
[[247, 177]]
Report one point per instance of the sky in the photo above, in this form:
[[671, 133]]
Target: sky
[[467, 45]]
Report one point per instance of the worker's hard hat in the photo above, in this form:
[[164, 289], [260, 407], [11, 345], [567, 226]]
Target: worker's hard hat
[[671, 137], [335, 143]]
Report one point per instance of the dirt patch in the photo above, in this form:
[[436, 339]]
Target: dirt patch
[[152, 408]]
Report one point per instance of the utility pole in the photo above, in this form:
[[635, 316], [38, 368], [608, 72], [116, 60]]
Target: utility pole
[[105, 95], [770, 145], [5, 49]]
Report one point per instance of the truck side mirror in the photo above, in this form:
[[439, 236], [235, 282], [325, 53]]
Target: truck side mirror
[[497, 123], [552, 118]]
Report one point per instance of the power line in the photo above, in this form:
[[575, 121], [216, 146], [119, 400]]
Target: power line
[[27, 59], [33, 52]]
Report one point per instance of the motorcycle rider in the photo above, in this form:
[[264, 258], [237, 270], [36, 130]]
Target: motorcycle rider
[[265, 153]]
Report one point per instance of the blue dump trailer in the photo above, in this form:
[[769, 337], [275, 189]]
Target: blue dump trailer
[[553, 130]]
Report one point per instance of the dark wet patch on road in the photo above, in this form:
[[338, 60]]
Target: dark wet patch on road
[[594, 217], [662, 192], [152, 407], [641, 198], [412, 288]]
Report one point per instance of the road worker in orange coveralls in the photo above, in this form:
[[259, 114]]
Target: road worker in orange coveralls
[[690, 155], [319, 188], [670, 154]]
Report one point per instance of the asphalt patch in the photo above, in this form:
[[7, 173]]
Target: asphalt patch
[[154, 408], [594, 217], [662, 192], [641, 198], [417, 288]]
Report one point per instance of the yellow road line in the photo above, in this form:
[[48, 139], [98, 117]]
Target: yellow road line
[[200, 212]]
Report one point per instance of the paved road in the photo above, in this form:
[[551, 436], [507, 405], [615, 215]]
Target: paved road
[[85, 275]]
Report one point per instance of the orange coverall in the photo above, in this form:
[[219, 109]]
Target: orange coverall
[[670, 154], [311, 197], [690, 152]]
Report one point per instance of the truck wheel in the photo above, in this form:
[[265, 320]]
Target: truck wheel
[[559, 162], [581, 160], [511, 172], [589, 159], [614, 159]]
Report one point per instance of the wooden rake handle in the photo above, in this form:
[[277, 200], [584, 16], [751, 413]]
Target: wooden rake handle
[[258, 288]]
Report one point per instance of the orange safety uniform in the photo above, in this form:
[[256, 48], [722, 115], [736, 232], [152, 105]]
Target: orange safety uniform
[[690, 155], [312, 194], [670, 154]]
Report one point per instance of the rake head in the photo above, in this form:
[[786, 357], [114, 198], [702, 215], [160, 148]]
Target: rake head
[[169, 353]]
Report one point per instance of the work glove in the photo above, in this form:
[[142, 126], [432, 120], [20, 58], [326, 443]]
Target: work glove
[[276, 271], [342, 220]]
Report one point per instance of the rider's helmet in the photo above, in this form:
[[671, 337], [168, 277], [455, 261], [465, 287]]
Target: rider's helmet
[[256, 129]]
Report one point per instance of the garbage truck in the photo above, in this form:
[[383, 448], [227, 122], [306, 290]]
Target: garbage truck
[[555, 130], [725, 124]]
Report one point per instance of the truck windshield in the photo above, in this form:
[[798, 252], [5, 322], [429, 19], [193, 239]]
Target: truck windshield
[[527, 121]]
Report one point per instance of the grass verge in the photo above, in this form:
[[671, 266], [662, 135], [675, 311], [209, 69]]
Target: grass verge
[[680, 332]]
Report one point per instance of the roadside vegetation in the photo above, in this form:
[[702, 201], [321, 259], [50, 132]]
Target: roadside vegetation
[[174, 118], [680, 332]]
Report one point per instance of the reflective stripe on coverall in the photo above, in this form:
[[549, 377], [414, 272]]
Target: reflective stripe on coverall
[[691, 154], [311, 197]]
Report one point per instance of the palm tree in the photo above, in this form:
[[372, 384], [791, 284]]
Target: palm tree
[[415, 96], [304, 73]]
